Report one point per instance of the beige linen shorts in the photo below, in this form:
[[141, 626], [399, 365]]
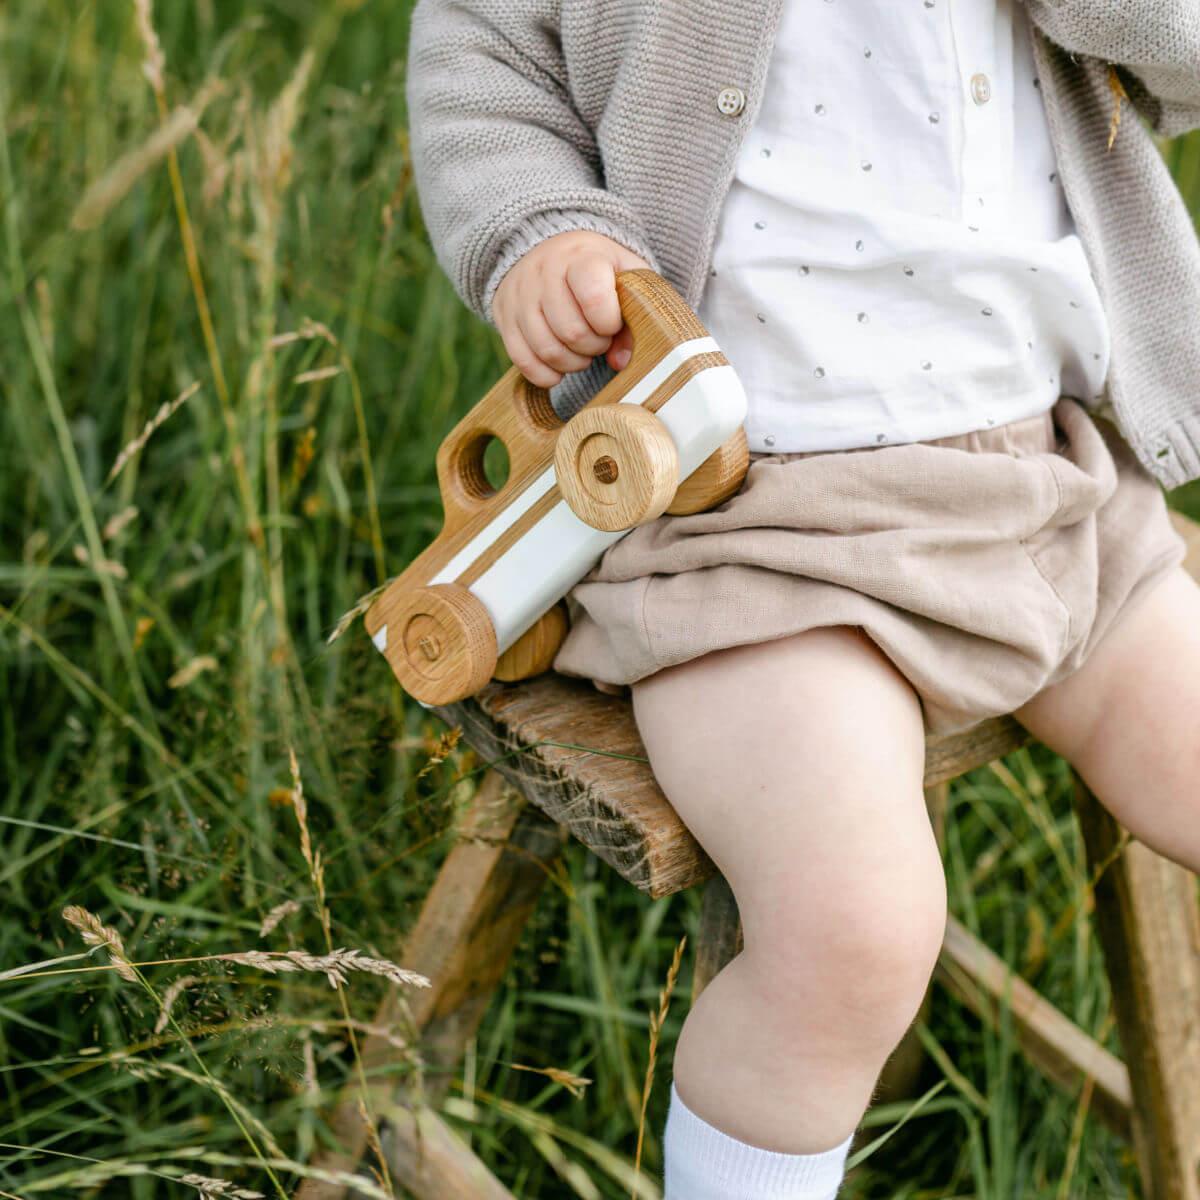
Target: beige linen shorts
[[985, 565]]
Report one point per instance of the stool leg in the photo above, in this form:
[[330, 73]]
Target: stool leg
[[1149, 926], [720, 938], [430, 1160], [469, 926]]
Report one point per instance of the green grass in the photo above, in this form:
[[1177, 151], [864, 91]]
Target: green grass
[[161, 802]]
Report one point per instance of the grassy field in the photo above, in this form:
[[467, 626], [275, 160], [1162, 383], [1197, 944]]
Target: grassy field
[[273, 311]]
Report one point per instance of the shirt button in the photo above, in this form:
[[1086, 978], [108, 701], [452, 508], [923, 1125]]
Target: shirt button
[[981, 88], [731, 101]]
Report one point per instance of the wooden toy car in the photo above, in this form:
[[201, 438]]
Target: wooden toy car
[[664, 435]]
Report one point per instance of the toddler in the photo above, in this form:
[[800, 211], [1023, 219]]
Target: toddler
[[937, 242]]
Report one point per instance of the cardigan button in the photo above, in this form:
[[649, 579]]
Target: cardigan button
[[731, 101]]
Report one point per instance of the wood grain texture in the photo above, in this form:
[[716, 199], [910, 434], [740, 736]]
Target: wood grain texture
[[576, 753], [715, 479], [948, 757], [520, 415], [432, 1161], [441, 643], [534, 651], [678, 378]]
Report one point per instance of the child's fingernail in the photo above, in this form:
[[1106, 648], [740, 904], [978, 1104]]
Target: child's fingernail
[[621, 358]]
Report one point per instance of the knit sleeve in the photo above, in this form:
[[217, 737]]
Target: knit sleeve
[[501, 157], [1156, 42]]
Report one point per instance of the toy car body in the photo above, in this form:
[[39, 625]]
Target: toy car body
[[665, 435]]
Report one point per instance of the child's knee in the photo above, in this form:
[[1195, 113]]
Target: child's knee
[[854, 968]]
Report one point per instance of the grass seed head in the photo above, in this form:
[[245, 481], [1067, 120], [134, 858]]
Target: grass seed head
[[219, 1187], [277, 915], [154, 66], [172, 993], [334, 966], [95, 933]]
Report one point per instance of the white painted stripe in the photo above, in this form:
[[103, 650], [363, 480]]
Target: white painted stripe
[[491, 532]]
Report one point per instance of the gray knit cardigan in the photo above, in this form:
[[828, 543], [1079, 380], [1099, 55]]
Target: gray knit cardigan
[[532, 117]]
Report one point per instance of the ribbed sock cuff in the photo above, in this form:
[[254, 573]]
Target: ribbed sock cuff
[[703, 1163]]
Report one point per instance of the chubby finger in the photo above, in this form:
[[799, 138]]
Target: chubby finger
[[621, 350], [528, 363], [592, 280], [545, 345], [568, 323]]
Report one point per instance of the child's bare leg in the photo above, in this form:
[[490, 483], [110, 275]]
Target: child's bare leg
[[1127, 719], [798, 764]]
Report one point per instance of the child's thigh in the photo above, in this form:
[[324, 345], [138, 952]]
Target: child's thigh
[[798, 765]]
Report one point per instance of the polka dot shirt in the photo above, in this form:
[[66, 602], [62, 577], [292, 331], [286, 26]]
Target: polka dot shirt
[[895, 259]]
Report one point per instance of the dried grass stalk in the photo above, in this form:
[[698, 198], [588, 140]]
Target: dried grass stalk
[[95, 933], [656, 1023], [318, 374], [1119, 93], [573, 1083], [219, 1187], [312, 1089], [441, 750], [334, 966], [116, 523], [190, 671], [102, 566], [164, 412], [361, 605], [107, 191], [172, 993], [278, 914], [308, 330], [154, 67], [316, 868]]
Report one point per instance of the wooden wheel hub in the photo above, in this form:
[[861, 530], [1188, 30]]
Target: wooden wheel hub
[[597, 464], [425, 642], [606, 469]]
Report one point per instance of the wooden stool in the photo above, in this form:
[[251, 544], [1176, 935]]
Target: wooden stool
[[1145, 909]]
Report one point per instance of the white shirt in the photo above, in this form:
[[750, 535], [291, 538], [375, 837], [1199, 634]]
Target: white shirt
[[895, 259]]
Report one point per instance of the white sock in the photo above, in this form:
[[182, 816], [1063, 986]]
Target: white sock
[[702, 1163]]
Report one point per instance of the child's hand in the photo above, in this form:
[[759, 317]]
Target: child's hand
[[557, 308]]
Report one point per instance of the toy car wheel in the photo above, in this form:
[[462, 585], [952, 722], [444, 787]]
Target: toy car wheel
[[533, 652], [616, 466], [441, 643], [715, 479]]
